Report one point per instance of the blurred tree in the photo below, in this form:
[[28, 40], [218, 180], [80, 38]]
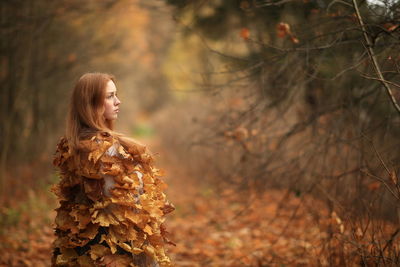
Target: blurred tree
[[310, 55], [45, 46], [42, 42], [300, 101]]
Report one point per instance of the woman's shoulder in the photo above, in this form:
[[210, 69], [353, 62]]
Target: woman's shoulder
[[95, 140], [88, 142], [93, 145], [96, 145]]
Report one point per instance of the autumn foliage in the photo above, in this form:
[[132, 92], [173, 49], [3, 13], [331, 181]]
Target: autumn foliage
[[283, 30], [279, 138], [121, 227]]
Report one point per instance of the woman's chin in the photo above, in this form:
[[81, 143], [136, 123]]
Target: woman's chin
[[112, 119]]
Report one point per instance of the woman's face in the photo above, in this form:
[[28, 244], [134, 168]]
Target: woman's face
[[111, 103]]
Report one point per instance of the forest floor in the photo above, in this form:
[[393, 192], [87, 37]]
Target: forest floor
[[209, 228]]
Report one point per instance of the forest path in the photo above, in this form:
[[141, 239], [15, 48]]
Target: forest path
[[228, 228], [209, 228]]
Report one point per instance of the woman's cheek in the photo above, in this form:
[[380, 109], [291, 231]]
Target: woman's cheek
[[108, 106]]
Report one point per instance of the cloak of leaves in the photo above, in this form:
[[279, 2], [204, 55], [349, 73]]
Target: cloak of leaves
[[95, 229]]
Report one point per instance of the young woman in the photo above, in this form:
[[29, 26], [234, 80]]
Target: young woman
[[112, 204]]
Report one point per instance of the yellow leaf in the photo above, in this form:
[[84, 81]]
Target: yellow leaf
[[128, 180], [149, 249], [111, 244], [137, 250], [131, 217], [116, 260], [98, 251], [104, 218], [147, 229]]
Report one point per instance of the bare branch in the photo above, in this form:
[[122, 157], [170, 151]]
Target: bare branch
[[383, 81], [372, 56]]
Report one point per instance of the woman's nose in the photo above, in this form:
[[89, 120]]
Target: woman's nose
[[117, 101]]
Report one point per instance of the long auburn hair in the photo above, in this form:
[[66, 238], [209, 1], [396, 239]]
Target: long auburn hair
[[86, 108]]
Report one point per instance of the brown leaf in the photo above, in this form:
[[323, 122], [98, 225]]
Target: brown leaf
[[283, 29], [245, 34], [374, 186], [97, 251], [116, 260], [168, 207], [90, 231], [132, 214], [85, 261], [65, 222], [67, 256]]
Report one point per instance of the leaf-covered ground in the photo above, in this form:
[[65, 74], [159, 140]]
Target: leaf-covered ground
[[209, 230], [210, 227], [230, 229]]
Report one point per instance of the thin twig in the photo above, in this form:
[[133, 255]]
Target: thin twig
[[383, 182], [373, 58], [378, 79]]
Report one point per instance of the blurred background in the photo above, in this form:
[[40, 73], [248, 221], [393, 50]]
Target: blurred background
[[277, 122]]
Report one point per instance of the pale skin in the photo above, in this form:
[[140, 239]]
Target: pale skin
[[111, 102], [111, 109]]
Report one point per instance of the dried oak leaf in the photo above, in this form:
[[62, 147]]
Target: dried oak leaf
[[67, 256], [93, 188], [152, 206], [116, 260], [168, 207], [62, 152], [104, 218], [122, 233], [85, 261], [81, 215], [90, 231], [133, 214], [64, 221], [156, 240], [98, 251]]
